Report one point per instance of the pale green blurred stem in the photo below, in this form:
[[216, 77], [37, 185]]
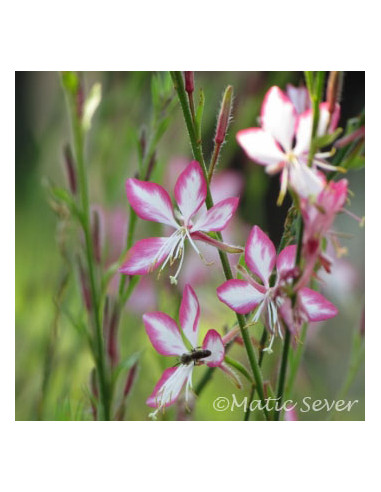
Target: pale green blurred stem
[[295, 360], [100, 358], [198, 155]]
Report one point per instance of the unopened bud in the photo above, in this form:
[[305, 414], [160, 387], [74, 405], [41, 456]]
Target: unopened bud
[[97, 235], [85, 286], [131, 377], [70, 169], [112, 341], [189, 82], [224, 115], [334, 86]]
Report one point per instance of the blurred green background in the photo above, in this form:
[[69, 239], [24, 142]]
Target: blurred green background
[[51, 352]]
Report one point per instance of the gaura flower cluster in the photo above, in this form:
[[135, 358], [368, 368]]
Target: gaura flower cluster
[[273, 288], [270, 301], [282, 142]]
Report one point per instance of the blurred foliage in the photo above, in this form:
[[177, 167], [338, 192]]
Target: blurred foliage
[[53, 363]]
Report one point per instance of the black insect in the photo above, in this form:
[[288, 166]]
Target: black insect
[[194, 356]]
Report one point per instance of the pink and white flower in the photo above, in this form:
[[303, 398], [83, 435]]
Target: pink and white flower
[[150, 201], [168, 339], [318, 217], [268, 301], [283, 141]]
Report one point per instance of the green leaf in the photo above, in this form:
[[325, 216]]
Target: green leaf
[[326, 140], [356, 163]]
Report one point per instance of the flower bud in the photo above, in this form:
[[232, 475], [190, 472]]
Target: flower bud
[[85, 286], [334, 86], [189, 82], [70, 169], [96, 234], [112, 341], [131, 377], [224, 115]]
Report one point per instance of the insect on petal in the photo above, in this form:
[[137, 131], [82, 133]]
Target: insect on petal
[[214, 343]]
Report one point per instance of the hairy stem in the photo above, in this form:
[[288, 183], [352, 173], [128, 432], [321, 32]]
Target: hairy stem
[[198, 155]]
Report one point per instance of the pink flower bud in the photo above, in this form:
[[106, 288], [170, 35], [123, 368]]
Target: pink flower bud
[[85, 286], [224, 115], [70, 169], [131, 377], [112, 340], [334, 86], [189, 82], [97, 235]]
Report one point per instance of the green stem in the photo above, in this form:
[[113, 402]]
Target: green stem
[[282, 373], [198, 155], [316, 92], [295, 361], [260, 360], [100, 360]]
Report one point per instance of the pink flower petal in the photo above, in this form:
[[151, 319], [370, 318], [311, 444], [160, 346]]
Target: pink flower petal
[[214, 343], [190, 190], [278, 117], [168, 389], [164, 334], [315, 305], [260, 146], [304, 127], [239, 295], [190, 314], [286, 260], [150, 201], [299, 97], [303, 132], [217, 217], [306, 181], [260, 254], [144, 256]]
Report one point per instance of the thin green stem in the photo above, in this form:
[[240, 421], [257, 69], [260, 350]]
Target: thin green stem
[[198, 155], [282, 373], [260, 360], [100, 360], [295, 361]]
